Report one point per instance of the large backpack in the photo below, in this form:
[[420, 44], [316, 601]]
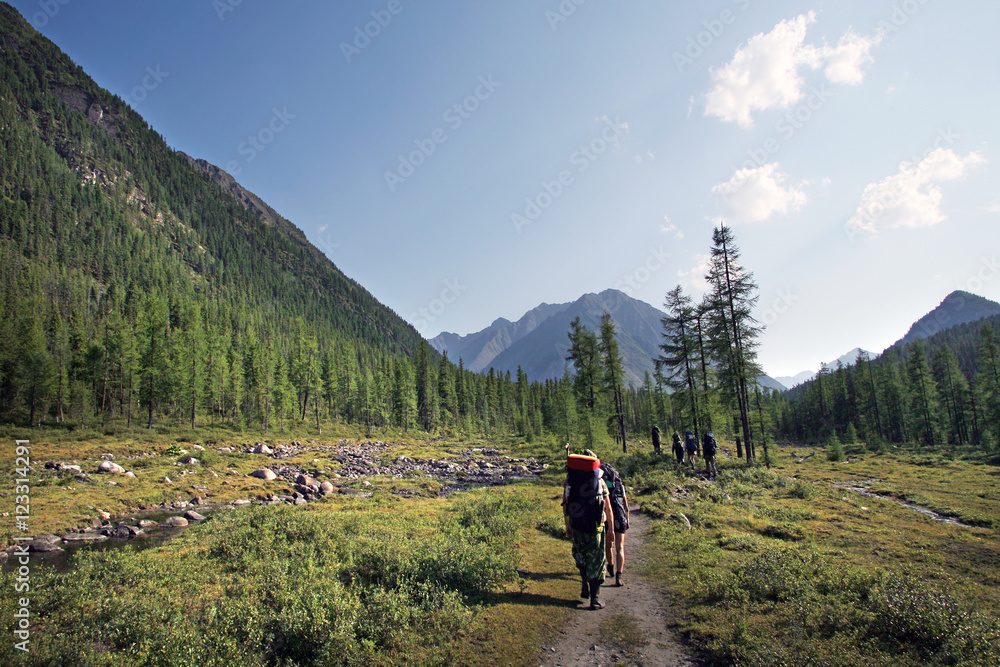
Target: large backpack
[[617, 489], [584, 500], [710, 445]]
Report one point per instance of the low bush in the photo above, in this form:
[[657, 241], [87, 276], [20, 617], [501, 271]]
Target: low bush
[[283, 586]]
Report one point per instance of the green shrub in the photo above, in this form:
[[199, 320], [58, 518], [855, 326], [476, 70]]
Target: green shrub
[[789, 532], [553, 525], [835, 449], [776, 574], [741, 542], [802, 490]]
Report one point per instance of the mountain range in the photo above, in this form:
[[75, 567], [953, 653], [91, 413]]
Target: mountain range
[[538, 342], [804, 376], [959, 307]]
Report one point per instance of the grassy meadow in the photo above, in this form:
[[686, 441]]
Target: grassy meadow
[[783, 567], [767, 567]]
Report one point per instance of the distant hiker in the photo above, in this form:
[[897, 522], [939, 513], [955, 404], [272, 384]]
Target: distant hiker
[[709, 447], [656, 440], [615, 548], [589, 521], [691, 447], [678, 448]]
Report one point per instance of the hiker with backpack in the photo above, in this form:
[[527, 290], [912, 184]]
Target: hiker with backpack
[[656, 440], [590, 521], [691, 447], [615, 547], [678, 448], [709, 447]]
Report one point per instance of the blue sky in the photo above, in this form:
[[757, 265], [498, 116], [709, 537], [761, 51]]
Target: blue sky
[[469, 161]]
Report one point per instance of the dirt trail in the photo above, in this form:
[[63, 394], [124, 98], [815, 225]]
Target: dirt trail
[[632, 627]]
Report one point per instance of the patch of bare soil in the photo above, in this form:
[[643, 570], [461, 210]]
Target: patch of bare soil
[[632, 629]]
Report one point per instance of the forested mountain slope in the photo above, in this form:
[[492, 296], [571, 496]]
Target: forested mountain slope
[[89, 185], [121, 260], [939, 389]]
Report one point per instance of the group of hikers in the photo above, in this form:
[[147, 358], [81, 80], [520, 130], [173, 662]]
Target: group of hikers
[[595, 508], [689, 449]]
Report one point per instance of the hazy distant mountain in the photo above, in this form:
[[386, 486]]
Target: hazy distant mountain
[[959, 307], [539, 341], [791, 380], [846, 360], [478, 350]]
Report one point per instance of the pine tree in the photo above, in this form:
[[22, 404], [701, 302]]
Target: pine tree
[[583, 352], [192, 357], [677, 360], [925, 398], [953, 389], [153, 359], [614, 373], [988, 380], [733, 331]]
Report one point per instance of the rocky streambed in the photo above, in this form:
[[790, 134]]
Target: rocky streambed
[[294, 483]]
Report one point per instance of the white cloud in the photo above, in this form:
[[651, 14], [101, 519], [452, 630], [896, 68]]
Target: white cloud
[[754, 195], [992, 207], [694, 279], [671, 228], [765, 73], [844, 61], [912, 198]]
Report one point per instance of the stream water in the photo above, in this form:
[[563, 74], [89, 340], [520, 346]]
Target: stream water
[[64, 561], [926, 511]]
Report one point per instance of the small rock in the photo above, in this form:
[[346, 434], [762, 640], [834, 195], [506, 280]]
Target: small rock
[[265, 474], [146, 523], [240, 502], [85, 537], [175, 522], [167, 480], [326, 488], [261, 448], [191, 515], [198, 448], [110, 467], [130, 474], [189, 460], [44, 546], [306, 480]]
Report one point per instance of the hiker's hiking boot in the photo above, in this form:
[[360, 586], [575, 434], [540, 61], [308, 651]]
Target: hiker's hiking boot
[[595, 591], [611, 569], [585, 590], [618, 579]]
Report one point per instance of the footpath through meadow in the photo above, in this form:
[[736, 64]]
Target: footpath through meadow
[[634, 626]]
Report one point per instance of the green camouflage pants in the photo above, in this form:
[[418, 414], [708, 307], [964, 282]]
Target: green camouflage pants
[[588, 552]]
